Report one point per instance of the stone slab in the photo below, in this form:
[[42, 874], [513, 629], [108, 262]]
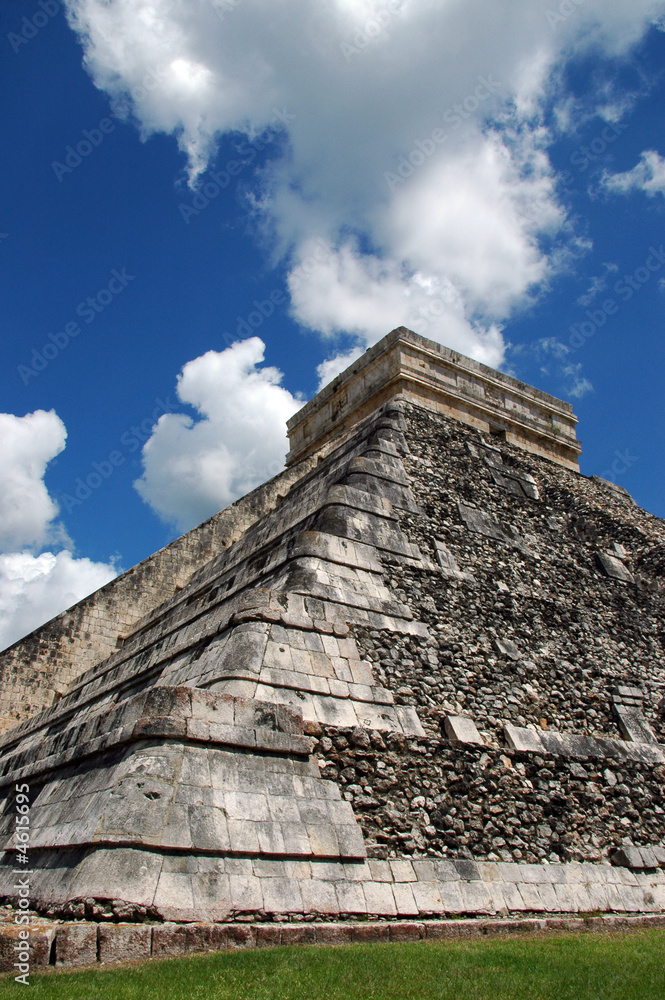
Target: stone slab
[[76, 944], [461, 729], [522, 738], [124, 942], [614, 567], [40, 940]]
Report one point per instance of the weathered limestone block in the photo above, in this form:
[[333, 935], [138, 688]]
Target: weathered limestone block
[[523, 739], [358, 477], [356, 499], [41, 936], [448, 563], [615, 568], [510, 477], [238, 653], [627, 708], [124, 942], [506, 647], [461, 729], [638, 858], [76, 944], [362, 526], [484, 524]]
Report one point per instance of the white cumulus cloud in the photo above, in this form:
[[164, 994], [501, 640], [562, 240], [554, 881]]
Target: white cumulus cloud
[[28, 445], [192, 468], [35, 587], [648, 175], [414, 146], [355, 293], [332, 367]]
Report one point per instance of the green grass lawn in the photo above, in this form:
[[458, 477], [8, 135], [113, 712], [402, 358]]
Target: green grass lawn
[[556, 967]]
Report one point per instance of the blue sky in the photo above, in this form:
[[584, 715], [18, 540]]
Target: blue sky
[[183, 175]]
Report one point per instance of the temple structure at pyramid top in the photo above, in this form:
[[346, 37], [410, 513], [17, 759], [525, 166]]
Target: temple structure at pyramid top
[[441, 380]]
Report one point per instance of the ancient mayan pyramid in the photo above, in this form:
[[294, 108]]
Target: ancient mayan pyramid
[[417, 674]]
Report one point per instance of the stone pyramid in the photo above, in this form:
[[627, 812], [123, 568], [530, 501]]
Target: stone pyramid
[[424, 680]]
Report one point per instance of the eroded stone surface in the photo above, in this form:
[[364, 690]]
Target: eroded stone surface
[[461, 729]]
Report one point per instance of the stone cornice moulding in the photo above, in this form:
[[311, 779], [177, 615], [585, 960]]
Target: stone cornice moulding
[[439, 379]]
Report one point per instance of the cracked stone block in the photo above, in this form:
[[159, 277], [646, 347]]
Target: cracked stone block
[[626, 694], [404, 900], [649, 859], [630, 856], [477, 898], [507, 482], [467, 869], [529, 487], [484, 524], [446, 559], [633, 725], [614, 567], [627, 709], [40, 941], [520, 738], [460, 729], [76, 944], [506, 647], [124, 942], [515, 483], [493, 457], [448, 563], [488, 525], [512, 479]]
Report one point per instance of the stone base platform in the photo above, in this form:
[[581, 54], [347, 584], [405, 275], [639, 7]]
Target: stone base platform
[[88, 944], [281, 902], [186, 888]]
